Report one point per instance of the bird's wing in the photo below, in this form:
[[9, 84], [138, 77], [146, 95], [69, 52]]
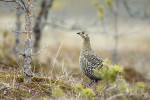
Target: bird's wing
[[93, 61]]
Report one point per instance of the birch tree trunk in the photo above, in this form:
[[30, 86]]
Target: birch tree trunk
[[18, 28], [41, 21], [27, 72]]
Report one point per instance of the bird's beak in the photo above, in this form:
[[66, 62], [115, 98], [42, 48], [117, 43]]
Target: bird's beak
[[78, 33]]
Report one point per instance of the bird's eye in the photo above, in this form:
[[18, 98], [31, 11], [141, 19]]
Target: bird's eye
[[83, 32]]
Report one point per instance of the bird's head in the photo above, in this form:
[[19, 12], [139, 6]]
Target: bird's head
[[83, 35]]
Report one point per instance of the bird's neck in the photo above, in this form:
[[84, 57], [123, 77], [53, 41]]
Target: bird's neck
[[86, 46]]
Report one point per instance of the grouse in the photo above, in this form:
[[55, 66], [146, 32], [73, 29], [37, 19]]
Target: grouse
[[88, 60]]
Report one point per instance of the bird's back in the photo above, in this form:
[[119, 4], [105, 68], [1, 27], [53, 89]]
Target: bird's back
[[88, 63]]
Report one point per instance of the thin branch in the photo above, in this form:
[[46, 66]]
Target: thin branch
[[40, 50], [22, 4], [8, 0], [20, 32], [56, 57], [21, 54], [17, 51]]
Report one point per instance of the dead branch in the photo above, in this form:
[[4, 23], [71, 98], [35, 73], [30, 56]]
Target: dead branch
[[22, 4], [40, 50], [20, 32]]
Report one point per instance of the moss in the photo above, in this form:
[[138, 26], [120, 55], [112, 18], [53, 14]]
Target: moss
[[28, 91], [63, 85], [43, 89], [20, 92], [8, 77]]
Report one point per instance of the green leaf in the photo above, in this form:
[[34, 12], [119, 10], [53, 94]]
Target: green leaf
[[109, 2], [100, 15], [101, 8], [95, 3]]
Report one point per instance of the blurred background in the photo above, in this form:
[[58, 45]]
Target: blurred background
[[118, 29]]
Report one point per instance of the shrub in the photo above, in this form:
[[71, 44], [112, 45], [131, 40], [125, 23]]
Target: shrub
[[86, 93], [57, 91], [109, 72]]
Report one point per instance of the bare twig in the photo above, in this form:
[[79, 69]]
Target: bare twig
[[56, 56], [8, 0], [33, 54], [20, 32], [22, 4], [17, 51], [40, 50], [21, 54]]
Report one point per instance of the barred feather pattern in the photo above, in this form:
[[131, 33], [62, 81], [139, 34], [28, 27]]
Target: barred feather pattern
[[88, 60], [88, 63]]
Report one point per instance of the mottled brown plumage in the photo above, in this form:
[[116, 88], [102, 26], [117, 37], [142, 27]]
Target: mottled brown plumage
[[88, 60]]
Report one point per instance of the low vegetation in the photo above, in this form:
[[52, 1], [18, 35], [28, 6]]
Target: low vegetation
[[112, 87]]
